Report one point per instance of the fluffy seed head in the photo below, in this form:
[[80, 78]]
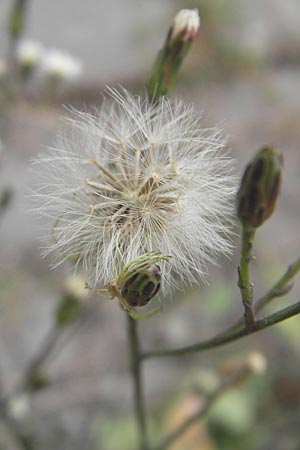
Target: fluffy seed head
[[136, 178]]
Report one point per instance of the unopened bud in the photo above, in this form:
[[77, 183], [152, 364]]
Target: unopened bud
[[181, 34], [140, 279], [185, 26], [260, 187]]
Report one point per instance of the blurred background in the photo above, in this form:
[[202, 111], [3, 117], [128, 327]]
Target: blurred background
[[243, 72]]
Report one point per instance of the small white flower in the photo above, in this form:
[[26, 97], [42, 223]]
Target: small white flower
[[28, 52], [136, 178], [58, 64]]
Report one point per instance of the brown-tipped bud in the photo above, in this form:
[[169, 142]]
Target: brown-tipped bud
[[260, 187], [182, 33], [185, 25]]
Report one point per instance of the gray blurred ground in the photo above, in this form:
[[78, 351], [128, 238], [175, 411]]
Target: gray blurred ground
[[117, 42]]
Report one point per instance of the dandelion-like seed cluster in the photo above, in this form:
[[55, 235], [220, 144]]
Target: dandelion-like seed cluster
[[134, 178]]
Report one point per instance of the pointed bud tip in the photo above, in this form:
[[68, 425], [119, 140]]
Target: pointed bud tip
[[185, 25]]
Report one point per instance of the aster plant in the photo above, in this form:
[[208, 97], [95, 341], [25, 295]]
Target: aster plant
[[142, 198]]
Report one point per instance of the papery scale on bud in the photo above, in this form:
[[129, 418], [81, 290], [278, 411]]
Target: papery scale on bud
[[260, 188]]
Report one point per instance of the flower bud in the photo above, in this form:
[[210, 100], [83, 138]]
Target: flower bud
[[181, 34], [142, 286], [185, 26], [140, 280], [259, 188]]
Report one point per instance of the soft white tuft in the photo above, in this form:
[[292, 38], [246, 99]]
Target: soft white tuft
[[135, 178]]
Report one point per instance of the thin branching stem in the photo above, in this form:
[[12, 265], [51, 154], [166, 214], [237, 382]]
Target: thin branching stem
[[228, 336], [280, 288]]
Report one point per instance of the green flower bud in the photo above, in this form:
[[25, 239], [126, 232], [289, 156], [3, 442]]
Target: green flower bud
[[182, 33], [259, 188], [142, 286], [140, 280]]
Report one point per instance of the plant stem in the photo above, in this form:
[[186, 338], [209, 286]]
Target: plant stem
[[244, 283], [135, 357], [46, 348], [228, 336], [281, 288]]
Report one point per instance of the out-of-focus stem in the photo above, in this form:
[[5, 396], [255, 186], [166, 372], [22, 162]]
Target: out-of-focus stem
[[22, 441], [232, 381], [16, 20], [44, 352]]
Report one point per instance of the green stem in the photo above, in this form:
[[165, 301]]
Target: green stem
[[16, 20], [282, 287], [244, 283], [135, 357], [228, 336]]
